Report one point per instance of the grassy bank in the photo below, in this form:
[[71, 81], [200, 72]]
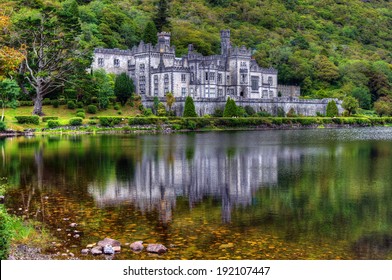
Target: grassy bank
[[15, 231], [62, 120]]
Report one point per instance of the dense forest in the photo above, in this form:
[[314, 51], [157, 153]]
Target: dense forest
[[331, 48]]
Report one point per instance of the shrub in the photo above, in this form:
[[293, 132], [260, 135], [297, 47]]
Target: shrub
[[92, 122], [2, 126], [280, 112], [47, 118], [218, 112], [46, 101], [332, 109], [249, 110], [55, 103], [119, 112], [92, 109], [53, 123], [110, 121], [116, 107], [80, 110], [81, 115], [79, 104], [291, 113], [27, 119], [263, 114], [147, 112], [71, 105], [75, 121]]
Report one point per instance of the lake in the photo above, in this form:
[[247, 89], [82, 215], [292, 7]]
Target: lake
[[284, 194]]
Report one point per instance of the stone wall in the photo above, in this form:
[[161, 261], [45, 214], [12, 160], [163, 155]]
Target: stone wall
[[204, 106]]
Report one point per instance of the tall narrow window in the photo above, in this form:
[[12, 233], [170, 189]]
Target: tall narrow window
[[100, 62], [255, 83], [183, 92], [183, 78], [270, 80], [116, 62]]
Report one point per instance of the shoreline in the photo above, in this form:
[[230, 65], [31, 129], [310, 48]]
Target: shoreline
[[164, 125]]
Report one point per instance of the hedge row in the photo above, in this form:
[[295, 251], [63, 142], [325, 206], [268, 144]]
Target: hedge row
[[110, 121], [27, 119], [45, 119]]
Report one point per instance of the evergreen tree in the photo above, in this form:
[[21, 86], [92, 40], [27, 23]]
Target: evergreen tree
[[150, 34], [162, 15], [123, 88], [189, 109], [332, 109], [230, 108], [170, 99]]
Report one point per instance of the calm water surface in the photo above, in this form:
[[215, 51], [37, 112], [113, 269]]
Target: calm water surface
[[301, 194]]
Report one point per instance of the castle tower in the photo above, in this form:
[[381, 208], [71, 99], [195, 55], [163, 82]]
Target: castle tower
[[164, 41], [225, 42]]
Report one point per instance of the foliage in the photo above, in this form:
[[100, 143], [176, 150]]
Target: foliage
[[332, 109], [92, 109], [230, 109], [161, 110], [362, 94], [110, 121], [75, 121], [3, 127], [81, 115], [150, 34], [170, 100], [383, 107], [123, 88], [280, 112], [103, 87], [27, 119], [291, 113], [71, 105], [189, 108], [49, 33], [9, 91], [249, 110], [350, 104], [53, 123]]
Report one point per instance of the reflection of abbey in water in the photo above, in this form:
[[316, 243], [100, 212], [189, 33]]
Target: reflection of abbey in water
[[227, 174]]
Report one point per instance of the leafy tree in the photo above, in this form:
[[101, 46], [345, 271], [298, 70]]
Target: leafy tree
[[383, 107], [123, 88], [189, 108], [52, 49], [350, 104], [9, 90], [170, 100], [150, 34], [103, 87], [230, 108], [10, 58], [332, 109], [325, 70], [363, 96]]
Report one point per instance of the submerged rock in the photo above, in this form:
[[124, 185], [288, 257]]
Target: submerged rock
[[156, 248], [137, 246], [85, 251], [97, 250], [109, 241]]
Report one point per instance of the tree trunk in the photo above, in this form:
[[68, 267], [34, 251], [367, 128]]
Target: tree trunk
[[38, 105]]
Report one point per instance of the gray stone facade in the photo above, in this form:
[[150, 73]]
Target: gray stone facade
[[156, 70], [210, 80]]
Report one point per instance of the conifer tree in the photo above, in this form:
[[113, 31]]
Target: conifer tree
[[189, 109], [230, 109], [332, 109], [123, 88], [150, 34], [162, 15]]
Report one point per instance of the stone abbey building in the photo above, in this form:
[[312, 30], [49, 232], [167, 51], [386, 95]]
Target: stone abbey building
[[210, 80]]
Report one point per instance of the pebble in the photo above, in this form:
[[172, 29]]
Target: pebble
[[85, 251], [137, 246], [156, 248], [108, 249], [97, 250], [73, 224]]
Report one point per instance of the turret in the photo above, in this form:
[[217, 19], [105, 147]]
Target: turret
[[225, 42], [164, 41]]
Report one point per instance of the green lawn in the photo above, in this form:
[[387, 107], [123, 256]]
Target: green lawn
[[63, 113]]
